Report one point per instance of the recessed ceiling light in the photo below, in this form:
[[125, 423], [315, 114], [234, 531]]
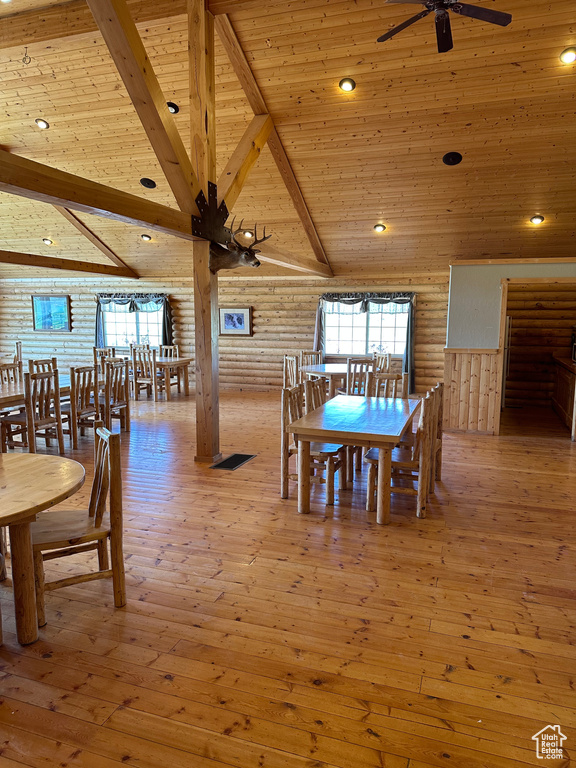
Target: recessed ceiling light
[[452, 158], [148, 183], [146, 238], [568, 56], [347, 84], [43, 124], [379, 228], [46, 241], [248, 233], [537, 219], [174, 108]]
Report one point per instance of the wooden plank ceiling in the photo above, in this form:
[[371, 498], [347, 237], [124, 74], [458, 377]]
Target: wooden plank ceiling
[[501, 98]]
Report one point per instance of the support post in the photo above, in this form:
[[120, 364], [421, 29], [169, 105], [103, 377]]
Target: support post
[[206, 362], [203, 148]]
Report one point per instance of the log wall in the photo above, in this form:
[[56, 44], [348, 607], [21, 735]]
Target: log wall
[[284, 311], [542, 319]]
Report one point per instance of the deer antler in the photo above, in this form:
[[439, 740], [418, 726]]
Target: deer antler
[[261, 240], [235, 232]]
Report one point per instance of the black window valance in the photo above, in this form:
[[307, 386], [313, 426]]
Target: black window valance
[[134, 302]]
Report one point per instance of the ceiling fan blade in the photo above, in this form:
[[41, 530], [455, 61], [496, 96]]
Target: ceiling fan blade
[[402, 26], [484, 14], [443, 32]]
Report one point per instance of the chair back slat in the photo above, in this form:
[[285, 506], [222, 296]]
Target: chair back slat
[[382, 361], [107, 484], [100, 355], [315, 394], [116, 383], [291, 371], [170, 351], [144, 363], [42, 366], [357, 370], [292, 405], [84, 387], [10, 373], [310, 358], [387, 385]]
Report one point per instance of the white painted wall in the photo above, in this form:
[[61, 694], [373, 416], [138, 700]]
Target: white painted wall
[[475, 298]]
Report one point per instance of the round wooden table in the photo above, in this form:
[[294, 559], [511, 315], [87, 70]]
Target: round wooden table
[[30, 483]]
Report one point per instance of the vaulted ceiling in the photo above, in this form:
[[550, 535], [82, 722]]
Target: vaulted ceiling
[[501, 98]]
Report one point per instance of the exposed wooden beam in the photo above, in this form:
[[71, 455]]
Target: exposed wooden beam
[[293, 261], [202, 87], [26, 178], [203, 145], [128, 52], [243, 158], [93, 238], [256, 100], [51, 262], [74, 18]]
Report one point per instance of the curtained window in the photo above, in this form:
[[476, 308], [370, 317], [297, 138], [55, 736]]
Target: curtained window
[[137, 318], [349, 324]]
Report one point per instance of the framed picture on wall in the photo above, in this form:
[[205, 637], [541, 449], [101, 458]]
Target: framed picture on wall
[[236, 321], [51, 313]]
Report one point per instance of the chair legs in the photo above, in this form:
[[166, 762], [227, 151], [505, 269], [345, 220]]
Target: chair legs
[[39, 582], [3, 573]]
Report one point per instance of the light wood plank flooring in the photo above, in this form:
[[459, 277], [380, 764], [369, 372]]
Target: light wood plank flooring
[[257, 638]]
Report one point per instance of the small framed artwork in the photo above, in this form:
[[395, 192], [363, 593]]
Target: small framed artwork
[[236, 321], [51, 313]]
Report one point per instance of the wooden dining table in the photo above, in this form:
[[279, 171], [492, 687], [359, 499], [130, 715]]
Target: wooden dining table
[[12, 395], [334, 372], [31, 483], [178, 364], [371, 422]]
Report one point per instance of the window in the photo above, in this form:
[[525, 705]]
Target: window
[[122, 328], [350, 331]]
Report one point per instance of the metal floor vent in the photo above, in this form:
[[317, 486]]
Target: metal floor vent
[[234, 461]]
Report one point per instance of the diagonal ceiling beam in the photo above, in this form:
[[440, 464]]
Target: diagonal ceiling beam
[[50, 262], [93, 238], [129, 55], [247, 152], [26, 178], [281, 258], [256, 100]]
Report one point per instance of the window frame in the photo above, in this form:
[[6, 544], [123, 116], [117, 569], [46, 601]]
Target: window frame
[[136, 315], [338, 356]]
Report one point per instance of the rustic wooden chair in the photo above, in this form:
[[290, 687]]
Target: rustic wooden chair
[[387, 384], [42, 366], [381, 363], [309, 358], [115, 403], [61, 532], [356, 370], [437, 433], [13, 358], [315, 394], [291, 371], [144, 372], [328, 456], [10, 373], [100, 355], [408, 464], [83, 408], [41, 417], [171, 377]]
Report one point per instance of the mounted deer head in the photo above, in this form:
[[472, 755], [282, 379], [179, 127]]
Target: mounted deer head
[[235, 254]]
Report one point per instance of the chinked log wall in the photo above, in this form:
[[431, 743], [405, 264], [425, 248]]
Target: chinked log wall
[[284, 318]]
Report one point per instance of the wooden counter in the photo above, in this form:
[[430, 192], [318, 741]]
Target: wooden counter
[[564, 387]]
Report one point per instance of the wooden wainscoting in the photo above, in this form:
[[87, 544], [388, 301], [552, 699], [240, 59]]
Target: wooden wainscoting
[[472, 390]]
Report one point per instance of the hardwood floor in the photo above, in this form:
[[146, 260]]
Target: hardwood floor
[[257, 638]]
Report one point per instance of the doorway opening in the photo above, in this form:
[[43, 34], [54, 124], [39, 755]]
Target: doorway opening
[[538, 383]]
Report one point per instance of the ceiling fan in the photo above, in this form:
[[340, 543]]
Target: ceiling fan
[[441, 8]]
